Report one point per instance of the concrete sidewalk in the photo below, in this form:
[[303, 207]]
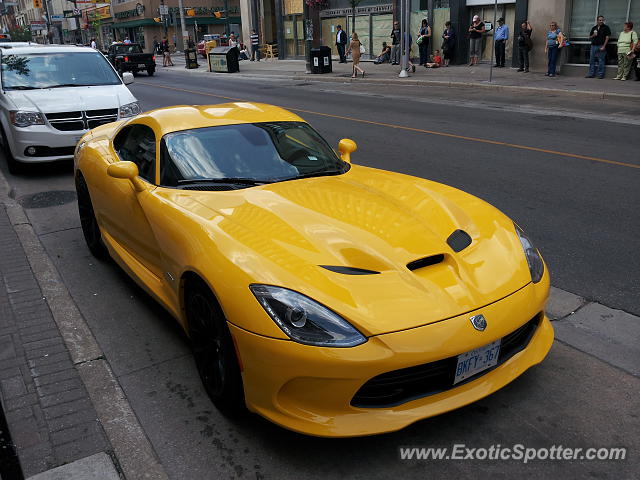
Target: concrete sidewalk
[[460, 76]]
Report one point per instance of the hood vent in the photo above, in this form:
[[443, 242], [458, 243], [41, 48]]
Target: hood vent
[[459, 240], [349, 270], [425, 262]]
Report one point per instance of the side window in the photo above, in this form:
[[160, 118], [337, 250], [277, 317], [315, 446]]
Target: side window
[[137, 144]]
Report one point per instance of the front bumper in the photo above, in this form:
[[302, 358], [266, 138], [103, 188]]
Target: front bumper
[[61, 144], [310, 389]]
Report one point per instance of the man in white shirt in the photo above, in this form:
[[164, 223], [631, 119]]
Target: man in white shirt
[[341, 43], [94, 45]]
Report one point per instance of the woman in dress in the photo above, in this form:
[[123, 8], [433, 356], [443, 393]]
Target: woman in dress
[[626, 43], [354, 49]]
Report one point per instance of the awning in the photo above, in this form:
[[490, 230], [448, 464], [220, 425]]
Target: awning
[[135, 23]]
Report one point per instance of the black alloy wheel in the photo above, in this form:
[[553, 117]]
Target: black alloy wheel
[[90, 228], [213, 350]]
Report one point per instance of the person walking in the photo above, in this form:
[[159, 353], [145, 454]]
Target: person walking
[[475, 37], [500, 38], [395, 44], [94, 45], [555, 38], [524, 45], [448, 43], [255, 46], [354, 49], [341, 43], [166, 53], [424, 34], [627, 41], [599, 36]]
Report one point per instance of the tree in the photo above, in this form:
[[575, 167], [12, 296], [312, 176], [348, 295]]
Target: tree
[[21, 34]]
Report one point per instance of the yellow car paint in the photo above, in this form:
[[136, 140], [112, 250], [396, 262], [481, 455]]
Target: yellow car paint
[[280, 234]]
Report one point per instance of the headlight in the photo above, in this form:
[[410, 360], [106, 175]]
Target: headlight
[[305, 320], [26, 119], [129, 110], [534, 260]]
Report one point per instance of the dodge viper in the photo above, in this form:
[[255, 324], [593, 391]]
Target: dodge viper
[[333, 299]]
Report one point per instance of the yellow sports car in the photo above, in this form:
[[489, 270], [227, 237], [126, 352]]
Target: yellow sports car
[[333, 299]]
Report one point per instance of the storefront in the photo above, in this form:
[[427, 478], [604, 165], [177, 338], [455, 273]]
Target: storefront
[[583, 15]]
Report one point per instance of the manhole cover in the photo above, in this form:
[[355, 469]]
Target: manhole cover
[[47, 199]]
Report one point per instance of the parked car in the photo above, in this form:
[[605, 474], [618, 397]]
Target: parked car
[[129, 57], [333, 299], [201, 45], [52, 95]]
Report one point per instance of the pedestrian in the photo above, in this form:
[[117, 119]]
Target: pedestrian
[[385, 55], [424, 34], [599, 36], [500, 37], [524, 45], [341, 43], [627, 41], [395, 44], [636, 61], [448, 43], [475, 37], [156, 45], [166, 53], [436, 60], [354, 49], [126, 40], [94, 45], [232, 41], [555, 39], [255, 46]]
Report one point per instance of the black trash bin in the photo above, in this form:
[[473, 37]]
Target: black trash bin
[[224, 59], [191, 58], [321, 60]]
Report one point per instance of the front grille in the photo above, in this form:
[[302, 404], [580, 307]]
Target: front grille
[[401, 386], [81, 121]]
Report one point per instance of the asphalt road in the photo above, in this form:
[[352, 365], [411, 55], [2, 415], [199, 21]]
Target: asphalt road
[[581, 212]]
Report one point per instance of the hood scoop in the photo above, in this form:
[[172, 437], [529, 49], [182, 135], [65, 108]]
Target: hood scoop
[[425, 262], [349, 270], [459, 240]]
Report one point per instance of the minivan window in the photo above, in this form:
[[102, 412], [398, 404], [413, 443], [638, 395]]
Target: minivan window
[[53, 70]]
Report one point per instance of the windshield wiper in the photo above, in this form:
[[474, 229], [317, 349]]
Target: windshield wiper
[[72, 85], [241, 181], [21, 87], [321, 173]]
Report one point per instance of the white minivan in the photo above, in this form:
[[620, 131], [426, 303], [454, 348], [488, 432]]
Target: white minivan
[[50, 95]]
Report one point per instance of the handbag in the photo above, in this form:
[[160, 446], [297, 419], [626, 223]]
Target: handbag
[[362, 50], [419, 40]]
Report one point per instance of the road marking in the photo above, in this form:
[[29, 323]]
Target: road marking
[[412, 129]]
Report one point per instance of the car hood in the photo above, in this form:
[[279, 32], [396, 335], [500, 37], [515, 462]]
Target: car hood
[[373, 220], [72, 98]]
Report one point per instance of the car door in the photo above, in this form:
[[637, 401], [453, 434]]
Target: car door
[[124, 217]]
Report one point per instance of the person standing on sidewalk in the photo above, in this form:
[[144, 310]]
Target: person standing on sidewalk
[[448, 43], [395, 44], [524, 45], [599, 35], [354, 49], [475, 38], [554, 39], [424, 34], [341, 43], [255, 46], [500, 38], [626, 43]]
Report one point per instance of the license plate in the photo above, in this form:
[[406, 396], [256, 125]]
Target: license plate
[[142, 65], [477, 360]]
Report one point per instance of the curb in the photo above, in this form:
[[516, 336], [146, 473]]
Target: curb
[[601, 95], [133, 450]]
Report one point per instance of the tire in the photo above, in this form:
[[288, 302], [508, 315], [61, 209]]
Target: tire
[[135, 73], [213, 350], [90, 228], [151, 71], [14, 166]]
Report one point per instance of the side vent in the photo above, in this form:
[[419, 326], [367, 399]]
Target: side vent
[[425, 262], [459, 240], [349, 270]]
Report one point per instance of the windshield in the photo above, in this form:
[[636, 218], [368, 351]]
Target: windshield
[[50, 70], [259, 152], [129, 48]]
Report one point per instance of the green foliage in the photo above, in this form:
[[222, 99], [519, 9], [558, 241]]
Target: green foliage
[[21, 34]]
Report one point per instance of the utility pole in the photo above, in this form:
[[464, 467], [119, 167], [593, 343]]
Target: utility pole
[[46, 12], [404, 48], [185, 34], [226, 17], [493, 47], [307, 36]]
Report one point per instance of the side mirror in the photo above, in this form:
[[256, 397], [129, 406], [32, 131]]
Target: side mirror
[[126, 170], [346, 147], [127, 78]]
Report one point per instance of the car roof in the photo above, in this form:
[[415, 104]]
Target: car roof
[[186, 117], [25, 48]]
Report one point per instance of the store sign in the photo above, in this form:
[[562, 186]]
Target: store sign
[[136, 12], [486, 2], [208, 11], [71, 13], [57, 18], [38, 25], [343, 12]]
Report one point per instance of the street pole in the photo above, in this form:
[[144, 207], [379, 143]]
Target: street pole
[[185, 34], [46, 12], [226, 18], [404, 50], [495, 15], [307, 40]]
